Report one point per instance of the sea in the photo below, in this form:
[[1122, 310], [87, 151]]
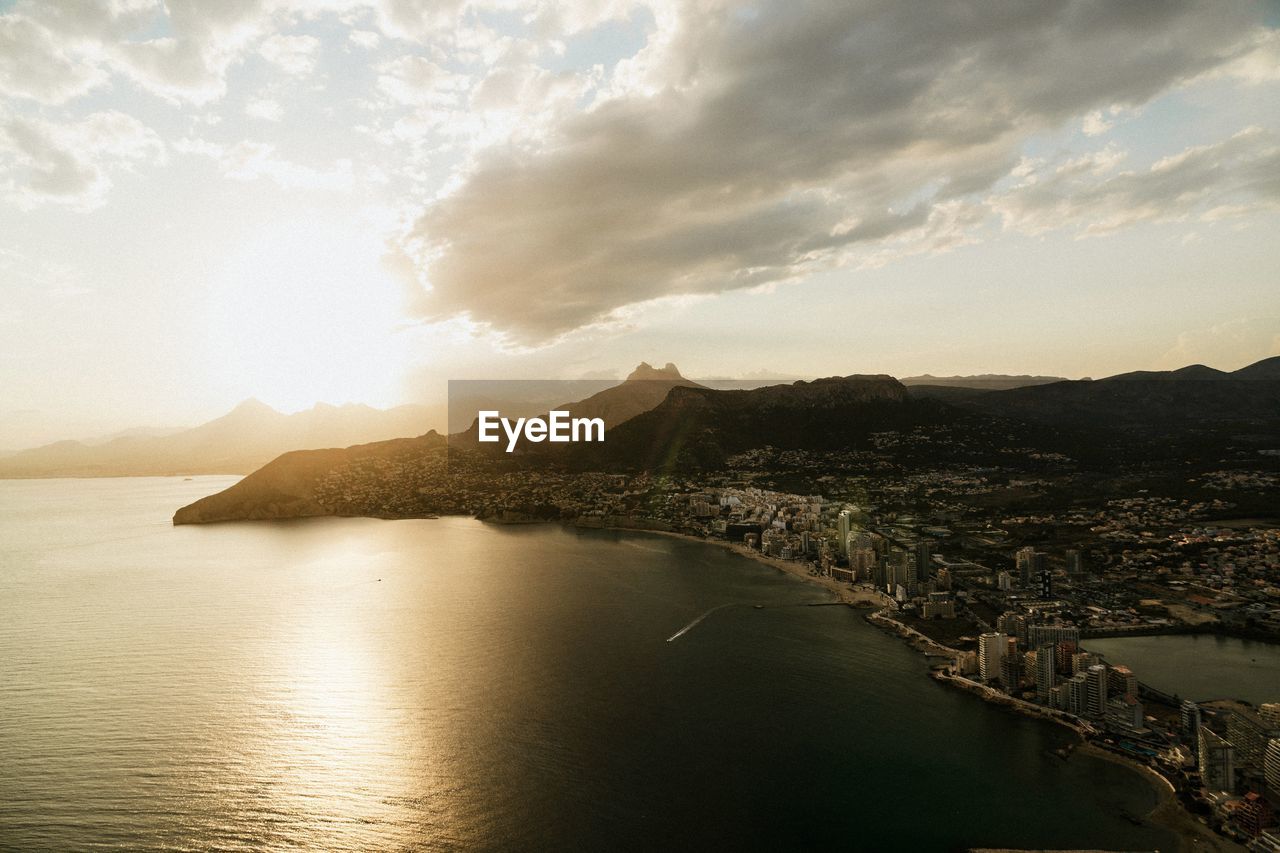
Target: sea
[[445, 684]]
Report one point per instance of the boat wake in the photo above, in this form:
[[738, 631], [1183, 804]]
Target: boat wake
[[687, 628]]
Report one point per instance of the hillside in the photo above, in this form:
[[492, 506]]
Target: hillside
[[699, 427], [1195, 397], [301, 484]]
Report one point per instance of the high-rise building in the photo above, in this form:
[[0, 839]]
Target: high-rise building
[[862, 561], [1122, 681], [1249, 733], [1077, 694], [1096, 690], [1011, 671], [924, 557], [1013, 624], [1025, 562], [1046, 583], [1004, 581], [843, 524], [1190, 713], [991, 649], [1217, 762], [900, 568], [1271, 765], [1045, 674], [1075, 562], [1039, 634], [1081, 661]]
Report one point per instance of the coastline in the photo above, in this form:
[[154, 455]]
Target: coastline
[[859, 597], [1169, 813]]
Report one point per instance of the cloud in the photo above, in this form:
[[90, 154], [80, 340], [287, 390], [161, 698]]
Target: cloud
[[294, 55], [745, 146], [71, 164], [53, 52], [1237, 176], [34, 64], [265, 109], [367, 39]]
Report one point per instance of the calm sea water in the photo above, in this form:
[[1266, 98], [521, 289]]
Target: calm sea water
[[1199, 667], [442, 684]]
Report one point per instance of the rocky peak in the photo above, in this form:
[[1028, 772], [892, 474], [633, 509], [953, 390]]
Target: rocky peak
[[645, 371]]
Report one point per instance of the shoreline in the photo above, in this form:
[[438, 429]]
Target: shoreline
[[1168, 813], [858, 597]]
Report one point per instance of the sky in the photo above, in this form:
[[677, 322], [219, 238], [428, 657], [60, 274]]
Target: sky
[[343, 201]]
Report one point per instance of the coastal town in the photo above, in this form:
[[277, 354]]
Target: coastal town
[[1001, 592]]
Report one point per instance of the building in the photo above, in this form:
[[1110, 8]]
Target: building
[[1126, 714], [1253, 814], [923, 550], [1024, 562], [991, 649], [862, 560], [1038, 635], [1122, 680], [1250, 734], [1190, 713], [844, 523], [1075, 563], [1271, 766], [1217, 762], [1011, 671], [1096, 691], [1081, 661], [940, 606], [1076, 690], [1045, 673]]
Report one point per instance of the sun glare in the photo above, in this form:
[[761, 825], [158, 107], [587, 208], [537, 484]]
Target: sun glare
[[306, 313]]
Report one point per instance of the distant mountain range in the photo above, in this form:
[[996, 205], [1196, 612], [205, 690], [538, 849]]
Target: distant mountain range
[[985, 381], [1190, 398], [695, 427], [246, 438]]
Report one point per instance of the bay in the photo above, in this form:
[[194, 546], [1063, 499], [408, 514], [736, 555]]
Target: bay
[[355, 684]]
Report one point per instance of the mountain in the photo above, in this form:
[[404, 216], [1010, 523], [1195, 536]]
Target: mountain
[[1195, 397], [1267, 369], [306, 483], [1192, 372], [983, 382], [699, 427], [693, 427], [643, 389], [247, 437]]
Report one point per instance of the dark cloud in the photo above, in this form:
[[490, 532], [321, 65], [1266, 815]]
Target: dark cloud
[[764, 141]]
